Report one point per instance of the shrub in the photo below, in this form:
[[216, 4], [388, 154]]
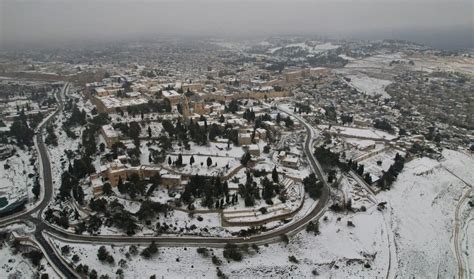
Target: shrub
[[216, 260], [313, 227], [285, 238], [293, 259], [203, 251], [35, 257], [231, 251]]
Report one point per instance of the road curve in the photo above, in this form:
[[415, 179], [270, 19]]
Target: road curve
[[263, 238], [47, 178], [272, 236]]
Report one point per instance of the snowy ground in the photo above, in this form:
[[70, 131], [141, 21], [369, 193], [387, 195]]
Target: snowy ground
[[339, 251], [17, 266], [180, 222], [14, 265], [366, 133], [220, 164], [312, 48], [422, 203], [14, 179], [370, 86], [57, 156], [214, 149], [387, 158], [380, 63], [431, 63]]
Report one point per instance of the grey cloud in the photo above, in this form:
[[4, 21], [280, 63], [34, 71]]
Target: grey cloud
[[27, 22]]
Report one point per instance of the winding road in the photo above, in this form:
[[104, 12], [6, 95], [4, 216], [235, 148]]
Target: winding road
[[42, 227], [458, 226]]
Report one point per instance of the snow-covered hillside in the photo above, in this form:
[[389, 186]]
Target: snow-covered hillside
[[422, 205]]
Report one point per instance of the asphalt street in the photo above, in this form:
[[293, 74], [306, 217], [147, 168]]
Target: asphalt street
[[42, 226]]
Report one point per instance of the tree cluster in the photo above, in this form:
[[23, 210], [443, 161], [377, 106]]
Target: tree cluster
[[21, 131], [326, 157], [302, 108], [104, 256], [51, 138], [313, 186], [383, 124], [77, 118], [34, 256], [269, 189], [233, 106], [345, 118], [211, 190], [388, 177], [231, 251], [150, 251], [249, 191]]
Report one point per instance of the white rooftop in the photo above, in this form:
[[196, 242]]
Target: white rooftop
[[169, 93]]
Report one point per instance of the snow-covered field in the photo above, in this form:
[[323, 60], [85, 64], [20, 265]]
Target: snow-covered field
[[366, 133], [376, 61], [422, 204], [15, 182], [339, 251], [422, 62], [14, 265], [432, 63], [312, 48], [369, 86], [387, 158]]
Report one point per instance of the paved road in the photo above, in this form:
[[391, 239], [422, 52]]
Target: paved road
[[65, 270], [263, 238], [48, 190], [47, 194], [273, 236]]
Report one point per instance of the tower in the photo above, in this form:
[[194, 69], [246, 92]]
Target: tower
[[185, 107]]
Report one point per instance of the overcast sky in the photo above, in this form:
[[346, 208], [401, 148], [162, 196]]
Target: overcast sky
[[52, 22]]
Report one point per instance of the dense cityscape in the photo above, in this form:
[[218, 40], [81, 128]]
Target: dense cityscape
[[274, 156]]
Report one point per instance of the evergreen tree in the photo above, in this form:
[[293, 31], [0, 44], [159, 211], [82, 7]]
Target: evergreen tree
[[225, 188], [313, 186], [179, 161], [21, 131], [121, 186], [245, 158], [107, 189], [102, 253], [268, 189], [368, 178], [275, 175], [36, 188]]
